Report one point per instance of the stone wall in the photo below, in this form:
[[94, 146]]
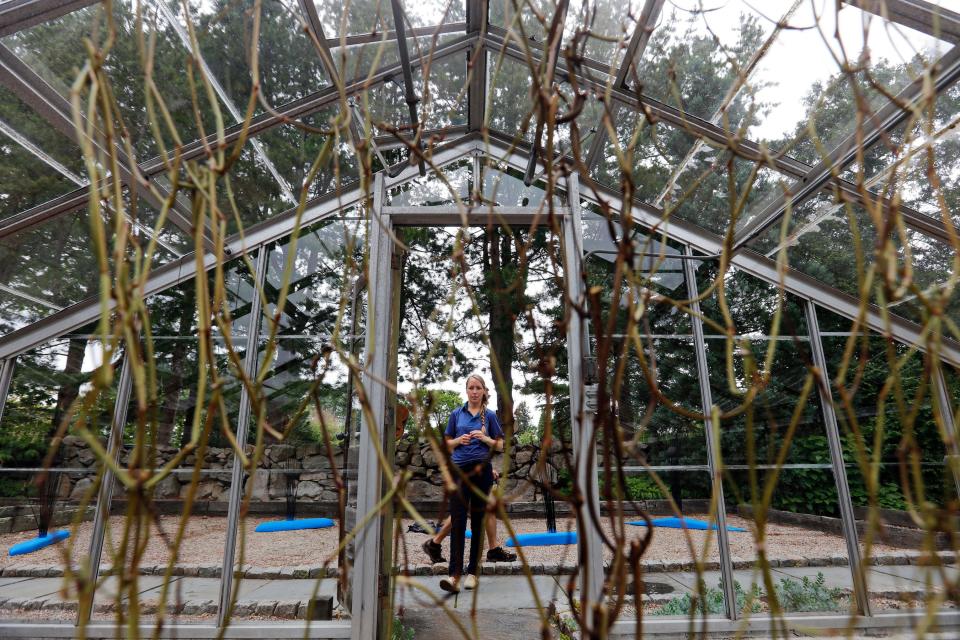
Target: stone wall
[[308, 466]]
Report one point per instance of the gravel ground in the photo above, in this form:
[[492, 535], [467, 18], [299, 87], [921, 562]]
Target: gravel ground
[[204, 539], [675, 545]]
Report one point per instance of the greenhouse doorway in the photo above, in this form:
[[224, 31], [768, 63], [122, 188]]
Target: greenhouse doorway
[[383, 572]]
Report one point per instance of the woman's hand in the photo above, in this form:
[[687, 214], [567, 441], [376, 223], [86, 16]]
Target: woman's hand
[[464, 439], [479, 435]]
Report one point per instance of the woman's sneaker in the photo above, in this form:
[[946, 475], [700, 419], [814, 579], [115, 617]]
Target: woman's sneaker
[[499, 554], [434, 551], [469, 582], [450, 584]]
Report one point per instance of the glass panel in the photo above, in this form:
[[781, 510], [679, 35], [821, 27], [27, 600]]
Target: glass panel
[[50, 384], [443, 100], [900, 163], [17, 312], [253, 191], [306, 397], [778, 477], [751, 303], [506, 80], [27, 180], [38, 131], [289, 64], [817, 92], [504, 187], [701, 194], [294, 149], [51, 50], [424, 14], [601, 28], [358, 16], [821, 242], [194, 493], [696, 53], [655, 266], [656, 151], [894, 454], [669, 566], [51, 261], [433, 191]]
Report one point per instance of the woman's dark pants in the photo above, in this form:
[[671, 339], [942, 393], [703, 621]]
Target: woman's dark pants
[[465, 500]]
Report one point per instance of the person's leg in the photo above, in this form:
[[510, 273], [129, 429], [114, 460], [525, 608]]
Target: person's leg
[[432, 546], [490, 526], [458, 530], [444, 531], [478, 506]]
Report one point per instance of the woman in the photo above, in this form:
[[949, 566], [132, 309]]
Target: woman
[[473, 434]]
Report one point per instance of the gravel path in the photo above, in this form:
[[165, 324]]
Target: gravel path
[[204, 540]]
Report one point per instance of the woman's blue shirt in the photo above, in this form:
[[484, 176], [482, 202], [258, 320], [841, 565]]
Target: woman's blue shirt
[[462, 421]]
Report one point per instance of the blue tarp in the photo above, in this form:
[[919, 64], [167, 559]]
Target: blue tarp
[[683, 523], [294, 525], [29, 546]]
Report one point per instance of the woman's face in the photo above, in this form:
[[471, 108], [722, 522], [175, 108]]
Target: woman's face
[[475, 391]]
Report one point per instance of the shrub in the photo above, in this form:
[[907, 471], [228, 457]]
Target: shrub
[[400, 631], [792, 596], [638, 488], [712, 602], [808, 595]]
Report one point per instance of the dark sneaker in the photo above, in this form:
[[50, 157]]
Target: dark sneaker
[[434, 551], [500, 554]]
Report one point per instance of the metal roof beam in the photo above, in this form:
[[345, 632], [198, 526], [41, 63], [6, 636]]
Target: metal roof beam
[[945, 72], [551, 50], [378, 37], [477, 15], [409, 93], [17, 15], [933, 20]]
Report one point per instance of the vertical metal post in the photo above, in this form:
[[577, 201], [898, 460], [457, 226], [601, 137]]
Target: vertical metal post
[[581, 411], [243, 426], [942, 404], [477, 196], [714, 459], [365, 598], [105, 497], [6, 376], [847, 517]]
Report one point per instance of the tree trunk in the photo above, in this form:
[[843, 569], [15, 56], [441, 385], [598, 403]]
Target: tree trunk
[[70, 387]]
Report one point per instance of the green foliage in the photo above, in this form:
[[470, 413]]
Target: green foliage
[[22, 444], [638, 488], [792, 595], [712, 602], [808, 595], [528, 437], [400, 631]]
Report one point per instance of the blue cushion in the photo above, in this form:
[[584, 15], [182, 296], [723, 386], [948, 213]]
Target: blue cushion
[[294, 525], [683, 523], [29, 546], [543, 539]]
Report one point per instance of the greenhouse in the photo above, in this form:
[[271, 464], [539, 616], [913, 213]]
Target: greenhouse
[[657, 301]]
